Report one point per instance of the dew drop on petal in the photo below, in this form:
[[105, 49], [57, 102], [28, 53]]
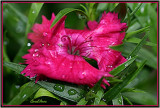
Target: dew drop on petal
[[45, 34], [36, 50], [82, 75]]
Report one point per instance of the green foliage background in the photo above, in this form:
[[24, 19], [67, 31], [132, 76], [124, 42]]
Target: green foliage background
[[135, 82]]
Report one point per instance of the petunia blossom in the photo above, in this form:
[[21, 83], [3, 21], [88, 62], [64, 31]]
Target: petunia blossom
[[58, 52]]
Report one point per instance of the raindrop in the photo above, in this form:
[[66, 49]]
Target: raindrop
[[104, 99], [126, 65], [80, 16], [149, 20], [45, 34], [59, 87], [48, 62], [28, 44], [92, 91], [35, 55], [24, 95], [142, 9], [33, 12], [72, 92], [110, 66], [70, 67], [63, 64], [17, 86], [36, 50], [119, 100], [129, 58], [42, 44], [82, 75]]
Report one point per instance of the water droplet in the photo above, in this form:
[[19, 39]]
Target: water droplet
[[142, 9], [109, 66], [119, 100], [126, 65], [48, 44], [59, 87], [72, 92], [80, 16], [17, 86], [82, 75], [48, 62], [33, 12], [129, 58], [42, 44], [63, 64], [104, 99], [24, 96], [149, 20], [92, 91], [45, 34], [70, 67], [28, 44], [35, 55], [36, 50]]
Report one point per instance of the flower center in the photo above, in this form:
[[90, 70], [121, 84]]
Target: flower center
[[76, 47]]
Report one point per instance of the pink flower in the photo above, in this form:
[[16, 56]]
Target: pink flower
[[57, 53]]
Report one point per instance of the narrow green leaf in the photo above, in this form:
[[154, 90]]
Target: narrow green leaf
[[43, 92], [33, 13], [136, 32], [125, 98], [84, 8], [82, 102], [139, 45], [17, 12], [63, 13], [141, 98], [115, 90], [14, 66], [137, 40], [132, 90], [136, 9], [121, 67], [68, 92], [118, 100], [98, 97], [24, 94]]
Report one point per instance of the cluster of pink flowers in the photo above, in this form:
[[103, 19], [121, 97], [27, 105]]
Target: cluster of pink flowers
[[58, 52]]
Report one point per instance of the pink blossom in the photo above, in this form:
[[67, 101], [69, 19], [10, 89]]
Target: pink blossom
[[57, 53]]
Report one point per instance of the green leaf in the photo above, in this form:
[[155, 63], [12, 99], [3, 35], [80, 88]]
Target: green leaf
[[139, 46], [126, 99], [121, 67], [24, 94], [136, 9], [33, 13], [118, 100], [144, 98], [63, 13], [72, 93], [43, 92], [98, 97], [132, 90], [17, 12], [137, 40], [126, 48], [102, 103], [136, 32], [82, 102], [14, 66], [115, 90]]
